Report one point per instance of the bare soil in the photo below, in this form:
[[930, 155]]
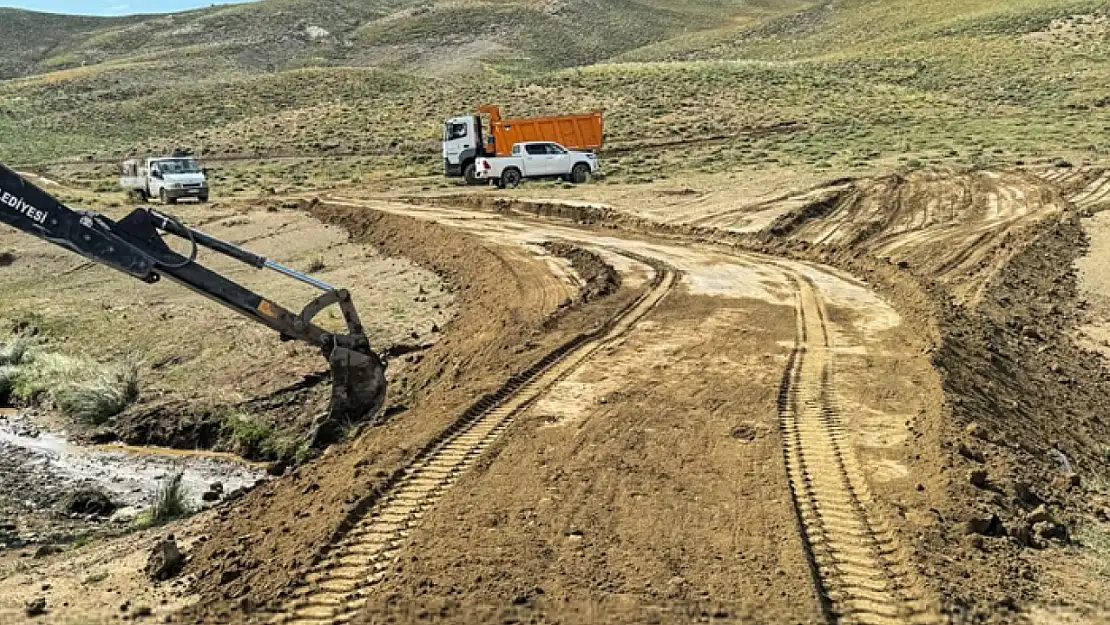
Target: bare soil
[[642, 489], [504, 297], [981, 267], [649, 485]]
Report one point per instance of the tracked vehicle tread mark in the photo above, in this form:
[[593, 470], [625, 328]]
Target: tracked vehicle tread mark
[[859, 574], [361, 556]]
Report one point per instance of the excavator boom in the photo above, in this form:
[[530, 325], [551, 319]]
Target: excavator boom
[[135, 246]]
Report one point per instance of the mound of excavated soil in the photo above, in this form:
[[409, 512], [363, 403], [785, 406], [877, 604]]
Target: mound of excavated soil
[[957, 230], [258, 549], [599, 278]]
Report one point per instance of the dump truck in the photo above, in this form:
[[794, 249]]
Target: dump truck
[[464, 141]]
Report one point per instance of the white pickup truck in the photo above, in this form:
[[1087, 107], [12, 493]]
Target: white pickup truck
[[168, 178], [537, 159]]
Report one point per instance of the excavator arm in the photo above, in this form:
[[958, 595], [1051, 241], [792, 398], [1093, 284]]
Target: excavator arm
[[135, 246]]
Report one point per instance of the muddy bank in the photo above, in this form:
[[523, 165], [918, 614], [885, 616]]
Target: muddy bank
[[504, 296], [52, 490], [599, 279]]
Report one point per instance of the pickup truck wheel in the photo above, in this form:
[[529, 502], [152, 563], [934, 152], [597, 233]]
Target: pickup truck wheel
[[470, 172], [580, 173], [164, 198], [510, 178]]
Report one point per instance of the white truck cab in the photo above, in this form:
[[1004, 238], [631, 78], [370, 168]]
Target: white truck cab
[[537, 159], [168, 178], [462, 138]]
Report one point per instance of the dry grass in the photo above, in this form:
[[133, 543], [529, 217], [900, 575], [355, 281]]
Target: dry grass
[[101, 398], [78, 388]]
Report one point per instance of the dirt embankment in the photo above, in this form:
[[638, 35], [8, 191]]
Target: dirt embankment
[[599, 278], [503, 295], [957, 230], [991, 268], [583, 213]]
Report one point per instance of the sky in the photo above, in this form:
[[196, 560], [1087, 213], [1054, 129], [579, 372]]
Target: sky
[[109, 7]]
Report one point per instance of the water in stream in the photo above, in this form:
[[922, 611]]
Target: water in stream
[[38, 469]]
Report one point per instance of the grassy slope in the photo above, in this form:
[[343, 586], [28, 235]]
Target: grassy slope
[[27, 38], [861, 81]]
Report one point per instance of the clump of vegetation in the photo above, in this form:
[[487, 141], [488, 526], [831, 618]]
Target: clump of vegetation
[[6, 259], [95, 578], [97, 400], [41, 372], [15, 348], [79, 388], [316, 263], [257, 440], [169, 504]]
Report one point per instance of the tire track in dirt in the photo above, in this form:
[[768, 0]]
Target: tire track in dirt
[[340, 582], [1095, 192], [857, 568], [1063, 175], [859, 573]]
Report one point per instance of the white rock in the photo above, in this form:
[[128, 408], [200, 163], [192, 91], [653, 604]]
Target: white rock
[[315, 32]]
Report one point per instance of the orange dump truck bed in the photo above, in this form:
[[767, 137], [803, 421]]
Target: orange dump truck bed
[[574, 132]]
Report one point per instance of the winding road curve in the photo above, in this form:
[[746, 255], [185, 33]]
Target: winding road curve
[[339, 584], [859, 572]]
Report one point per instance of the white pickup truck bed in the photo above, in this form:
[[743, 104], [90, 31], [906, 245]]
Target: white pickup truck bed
[[537, 160]]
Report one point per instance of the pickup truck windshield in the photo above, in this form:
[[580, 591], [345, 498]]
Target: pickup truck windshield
[[178, 166]]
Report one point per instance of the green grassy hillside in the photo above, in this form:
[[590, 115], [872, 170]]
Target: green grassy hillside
[[843, 85]]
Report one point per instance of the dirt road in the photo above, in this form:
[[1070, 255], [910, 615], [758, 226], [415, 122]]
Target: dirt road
[[643, 476]]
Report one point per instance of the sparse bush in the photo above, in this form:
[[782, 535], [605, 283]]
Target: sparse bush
[[249, 437], [16, 348], [8, 375], [6, 258], [169, 503], [43, 372], [102, 398], [316, 263], [78, 388]]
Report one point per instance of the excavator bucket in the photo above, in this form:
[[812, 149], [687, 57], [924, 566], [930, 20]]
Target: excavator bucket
[[358, 391]]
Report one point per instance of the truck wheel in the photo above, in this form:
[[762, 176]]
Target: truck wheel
[[580, 174], [470, 172], [510, 178], [202, 199], [164, 198]]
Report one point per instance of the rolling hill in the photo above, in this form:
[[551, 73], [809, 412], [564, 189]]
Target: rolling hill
[[729, 85]]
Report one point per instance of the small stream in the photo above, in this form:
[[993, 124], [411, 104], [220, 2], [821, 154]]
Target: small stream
[[38, 469]]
